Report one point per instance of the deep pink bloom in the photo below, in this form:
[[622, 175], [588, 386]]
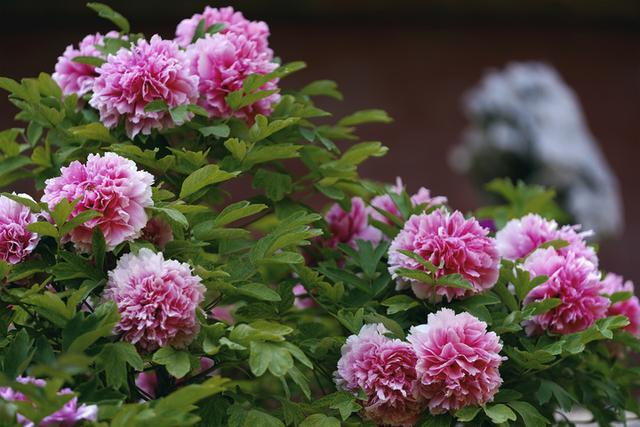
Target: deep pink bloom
[[386, 203], [458, 361], [222, 62], [110, 185], [385, 369], [153, 70], [520, 237], [575, 281], [454, 245], [157, 300], [347, 227], [223, 313], [16, 242], [158, 232], [74, 77], [234, 22], [69, 415], [630, 308]]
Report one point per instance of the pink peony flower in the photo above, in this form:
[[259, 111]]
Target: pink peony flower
[[158, 232], [454, 246], [386, 203], [520, 237], [234, 22], [74, 77], [458, 361], [16, 242], [223, 313], [385, 369], [157, 300], [222, 62], [575, 281], [630, 308], [110, 185], [69, 415], [131, 79], [347, 227]]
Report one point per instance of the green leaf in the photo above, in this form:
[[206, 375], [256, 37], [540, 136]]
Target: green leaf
[[399, 303], [180, 114], [89, 60], [18, 355], [276, 184], [531, 417], [114, 359], [220, 131], [259, 418], [322, 87], [51, 307], [62, 211], [269, 356], [499, 413], [236, 211], [365, 116], [548, 389], [176, 361], [429, 420], [191, 394], [259, 291], [81, 332], [25, 201], [77, 221], [207, 175], [172, 214], [156, 105], [467, 413], [320, 420], [542, 306], [43, 229], [420, 260], [106, 12]]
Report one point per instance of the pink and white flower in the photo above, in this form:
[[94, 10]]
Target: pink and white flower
[[385, 369], [16, 242], [630, 307], [575, 281], [453, 245], [347, 227], [153, 70], [157, 300], [110, 185], [69, 415], [458, 361]]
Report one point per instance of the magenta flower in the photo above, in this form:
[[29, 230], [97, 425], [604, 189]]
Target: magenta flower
[[74, 77], [575, 281], [630, 308], [234, 22], [347, 227], [386, 203], [223, 313], [16, 242], [157, 300], [69, 415], [385, 369], [454, 246], [302, 299], [222, 62], [131, 79], [158, 232], [458, 361], [520, 237], [110, 185]]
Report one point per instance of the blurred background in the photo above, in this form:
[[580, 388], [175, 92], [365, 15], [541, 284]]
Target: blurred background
[[414, 59]]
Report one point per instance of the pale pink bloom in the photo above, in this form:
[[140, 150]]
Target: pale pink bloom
[[222, 62], [575, 281], [347, 227], [110, 185], [74, 77], [385, 369], [302, 299], [234, 22], [613, 283], [386, 203], [16, 242], [158, 232], [223, 313], [148, 381], [454, 245], [458, 361], [157, 300], [69, 415], [520, 237], [153, 70]]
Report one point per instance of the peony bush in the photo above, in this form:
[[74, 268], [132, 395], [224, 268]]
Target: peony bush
[[197, 248]]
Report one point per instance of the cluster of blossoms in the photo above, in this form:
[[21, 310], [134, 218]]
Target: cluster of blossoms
[[70, 413], [448, 363], [178, 73]]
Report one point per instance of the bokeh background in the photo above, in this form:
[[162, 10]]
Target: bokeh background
[[415, 59]]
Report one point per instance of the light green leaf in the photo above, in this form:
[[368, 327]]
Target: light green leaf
[[207, 175], [176, 361]]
